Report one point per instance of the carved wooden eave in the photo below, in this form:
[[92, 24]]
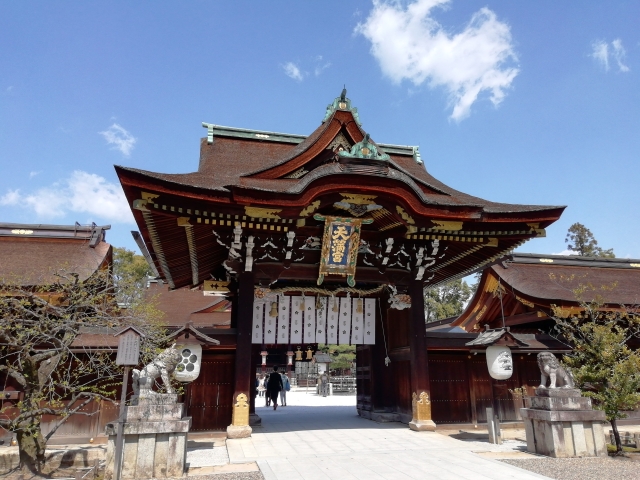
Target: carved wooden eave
[[497, 337], [187, 330], [250, 207]]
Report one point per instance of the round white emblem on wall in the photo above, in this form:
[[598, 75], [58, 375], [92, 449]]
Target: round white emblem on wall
[[189, 367]]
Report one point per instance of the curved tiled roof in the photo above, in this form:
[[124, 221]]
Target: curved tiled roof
[[35, 258], [554, 281], [238, 159]]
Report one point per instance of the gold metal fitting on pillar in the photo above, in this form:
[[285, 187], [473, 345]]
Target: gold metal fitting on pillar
[[240, 411], [274, 309], [335, 305], [421, 406], [359, 308]]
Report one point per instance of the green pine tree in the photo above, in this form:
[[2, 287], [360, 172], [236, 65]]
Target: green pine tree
[[582, 241], [603, 365]]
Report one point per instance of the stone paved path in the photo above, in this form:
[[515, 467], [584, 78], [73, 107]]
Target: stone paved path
[[317, 438]]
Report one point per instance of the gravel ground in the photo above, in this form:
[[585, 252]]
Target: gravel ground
[[581, 468], [230, 476]]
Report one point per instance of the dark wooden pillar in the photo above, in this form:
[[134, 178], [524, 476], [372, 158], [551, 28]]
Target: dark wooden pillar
[[383, 394], [420, 388], [245, 376]]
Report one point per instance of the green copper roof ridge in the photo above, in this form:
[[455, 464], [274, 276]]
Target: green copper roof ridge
[[212, 129], [342, 103]]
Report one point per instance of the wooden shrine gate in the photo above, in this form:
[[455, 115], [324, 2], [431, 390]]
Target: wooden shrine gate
[[208, 399]]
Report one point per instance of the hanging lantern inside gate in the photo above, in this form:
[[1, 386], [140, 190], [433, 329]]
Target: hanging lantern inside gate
[[298, 355], [309, 353], [499, 362], [274, 310]]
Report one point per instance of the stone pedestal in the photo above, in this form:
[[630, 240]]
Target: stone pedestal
[[422, 425], [155, 439], [561, 423]]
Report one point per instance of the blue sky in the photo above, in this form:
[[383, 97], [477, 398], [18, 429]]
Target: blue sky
[[520, 102]]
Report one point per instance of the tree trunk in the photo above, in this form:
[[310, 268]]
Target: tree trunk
[[32, 447], [616, 435]]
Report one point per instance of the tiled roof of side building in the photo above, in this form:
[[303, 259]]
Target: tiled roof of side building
[[33, 254], [185, 305], [553, 277]]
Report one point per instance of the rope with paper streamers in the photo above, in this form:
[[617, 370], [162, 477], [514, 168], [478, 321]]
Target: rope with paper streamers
[[324, 291]]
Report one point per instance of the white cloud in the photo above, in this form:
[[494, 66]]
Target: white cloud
[[34, 173], [619, 53], [10, 198], [566, 252], [601, 51], [120, 139], [82, 192], [410, 44], [320, 65], [292, 71]]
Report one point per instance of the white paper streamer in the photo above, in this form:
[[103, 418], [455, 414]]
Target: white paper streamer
[[369, 321], [345, 322], [297, 307], [333, 313], [269, 325], [357, 322], [310, 320], [256, 335], [284, 307], [321, 321]]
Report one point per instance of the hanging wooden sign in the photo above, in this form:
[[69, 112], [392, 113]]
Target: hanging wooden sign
[[340, 244]]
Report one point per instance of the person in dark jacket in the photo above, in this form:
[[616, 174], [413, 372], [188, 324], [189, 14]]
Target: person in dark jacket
[[274, 386]]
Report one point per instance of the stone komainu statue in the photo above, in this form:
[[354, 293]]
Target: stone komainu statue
[[162, 366], [550, 367]]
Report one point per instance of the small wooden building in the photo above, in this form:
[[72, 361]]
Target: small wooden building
[[518, 293]]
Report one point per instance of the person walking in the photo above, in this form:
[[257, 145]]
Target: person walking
[[260, 388], [274, 387], [286, 387], [267, 398]]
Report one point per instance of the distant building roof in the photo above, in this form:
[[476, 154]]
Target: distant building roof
[[184, 305], [525, 286], [32, 254]]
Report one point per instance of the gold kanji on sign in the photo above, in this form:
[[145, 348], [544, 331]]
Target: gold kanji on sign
[[340, 244]]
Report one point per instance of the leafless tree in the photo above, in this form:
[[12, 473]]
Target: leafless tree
[[43, 354]]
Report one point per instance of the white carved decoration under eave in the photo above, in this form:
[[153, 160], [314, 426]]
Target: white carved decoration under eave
[[248, 266], [290, 236], [237, 232], [385, 260], [435, 244], [398, 301]]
